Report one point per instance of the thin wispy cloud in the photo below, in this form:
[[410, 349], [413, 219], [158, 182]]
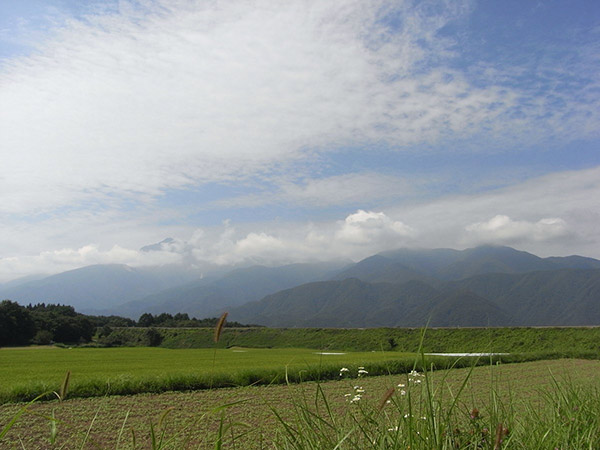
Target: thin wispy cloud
[[503, 229], [160, 96], [338, 190], [114, 117]]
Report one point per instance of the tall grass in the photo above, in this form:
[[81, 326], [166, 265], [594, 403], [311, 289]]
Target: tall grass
[[422, 415]]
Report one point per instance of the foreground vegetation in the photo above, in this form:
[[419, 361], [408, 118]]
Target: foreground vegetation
[[537, 405]]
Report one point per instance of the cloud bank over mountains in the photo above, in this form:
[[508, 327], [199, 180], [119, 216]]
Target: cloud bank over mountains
[[474, 221], [321, 129]]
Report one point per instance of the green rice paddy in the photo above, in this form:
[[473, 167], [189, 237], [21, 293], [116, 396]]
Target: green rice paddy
[[27, 372]]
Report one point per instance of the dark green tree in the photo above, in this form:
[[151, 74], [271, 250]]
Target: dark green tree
[[146, 320], [152, 337], [16, 324]]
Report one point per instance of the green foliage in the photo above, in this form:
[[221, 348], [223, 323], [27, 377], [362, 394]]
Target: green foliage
[[152, 338], [47, 323], [62, 322], [16, 324], [43, 337], [180, 320], [560, 340]]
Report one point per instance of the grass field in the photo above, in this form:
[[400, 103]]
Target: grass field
[[506, 339], [27, 372], [542, 404], [513, 395]]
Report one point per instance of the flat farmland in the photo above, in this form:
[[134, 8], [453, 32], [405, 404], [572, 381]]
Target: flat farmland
[[506, 393], [27, 372]]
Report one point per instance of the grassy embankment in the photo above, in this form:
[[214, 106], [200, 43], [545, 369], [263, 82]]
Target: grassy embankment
[[520, 340]]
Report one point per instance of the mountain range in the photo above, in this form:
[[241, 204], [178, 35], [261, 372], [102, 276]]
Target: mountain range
[[488, 285], [98, 287]]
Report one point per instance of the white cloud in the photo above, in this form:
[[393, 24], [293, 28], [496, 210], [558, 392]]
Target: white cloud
[[170, 94], [573, 197], [114, 110], [67, 259], [502, 229], [359, 235], [372, 229], [552, 215], [338, 190]]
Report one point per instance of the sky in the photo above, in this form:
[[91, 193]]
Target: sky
[[267, 132]]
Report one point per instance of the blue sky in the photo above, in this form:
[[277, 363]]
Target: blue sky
[[257, 132]]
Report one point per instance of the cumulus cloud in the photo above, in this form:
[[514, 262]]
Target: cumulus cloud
[[372, 228], [359, 235], [551, 215], [555, 214], [502, 229]]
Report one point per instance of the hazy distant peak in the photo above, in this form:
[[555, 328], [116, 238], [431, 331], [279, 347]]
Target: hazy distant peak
[[159, 246]]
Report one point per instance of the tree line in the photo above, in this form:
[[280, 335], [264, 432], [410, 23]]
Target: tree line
[[44, 324]]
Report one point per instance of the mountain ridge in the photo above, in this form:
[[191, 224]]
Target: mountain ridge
[[500, 283]]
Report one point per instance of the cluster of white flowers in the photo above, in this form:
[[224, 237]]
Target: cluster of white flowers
[[361, 371], [401, 386], [357, 395], [414, 377]]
